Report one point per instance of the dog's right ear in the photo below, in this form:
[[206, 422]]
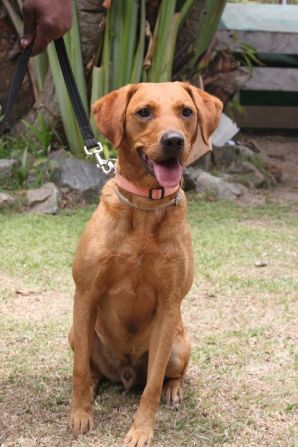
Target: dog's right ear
[[109, 113]]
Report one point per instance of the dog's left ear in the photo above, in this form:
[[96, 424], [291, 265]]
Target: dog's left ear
[[209, 110], [109, 113]]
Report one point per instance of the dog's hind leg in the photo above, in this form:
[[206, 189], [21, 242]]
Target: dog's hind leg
[[172, 391], [96, 379]]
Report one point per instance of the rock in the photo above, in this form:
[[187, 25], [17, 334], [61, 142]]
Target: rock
[[44, 200], [6, 200], [261, 263], [208, 183], [246, 173], [273, 170], [83, 177], [246, 152], [6, 167], [225, 155], [280, 157], [44, 171], [188, 182], [60, 155]]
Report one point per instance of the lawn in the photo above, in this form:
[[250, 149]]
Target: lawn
[[241, 385]]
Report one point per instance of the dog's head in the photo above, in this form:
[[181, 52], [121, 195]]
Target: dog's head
[[155, 126]]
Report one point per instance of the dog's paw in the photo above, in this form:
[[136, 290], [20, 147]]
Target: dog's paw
[[138, 437], [172, 392], [81, 421]]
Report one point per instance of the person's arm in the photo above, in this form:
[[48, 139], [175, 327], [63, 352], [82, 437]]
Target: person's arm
[[45, 20]]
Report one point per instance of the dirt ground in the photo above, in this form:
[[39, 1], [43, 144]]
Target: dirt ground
[[282, 150]]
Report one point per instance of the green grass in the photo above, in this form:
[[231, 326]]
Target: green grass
[[241, 386]]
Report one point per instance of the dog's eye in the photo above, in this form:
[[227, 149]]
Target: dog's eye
[[186, 112], [144, 113]]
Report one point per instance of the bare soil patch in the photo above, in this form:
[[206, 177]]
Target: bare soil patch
[[282, 150]]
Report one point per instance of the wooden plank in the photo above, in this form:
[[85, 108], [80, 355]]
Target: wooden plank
[[263, 42], [268, 117], [273, 79]]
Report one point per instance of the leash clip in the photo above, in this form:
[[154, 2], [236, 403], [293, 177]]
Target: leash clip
[[107, 166]]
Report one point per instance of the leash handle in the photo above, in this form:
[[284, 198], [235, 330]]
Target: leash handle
[[15, 85]]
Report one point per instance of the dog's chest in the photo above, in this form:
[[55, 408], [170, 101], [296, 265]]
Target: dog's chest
[[142, 271]]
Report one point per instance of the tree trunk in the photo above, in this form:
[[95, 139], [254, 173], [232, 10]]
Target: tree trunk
[[91, 23], [186, 38]]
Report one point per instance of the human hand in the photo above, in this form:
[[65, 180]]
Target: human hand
[[45, 20]]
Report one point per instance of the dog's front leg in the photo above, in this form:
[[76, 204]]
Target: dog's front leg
[[161, 341], [84, 316]]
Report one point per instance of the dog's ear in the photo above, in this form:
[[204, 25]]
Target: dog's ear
[[109, 113], [209, 110]]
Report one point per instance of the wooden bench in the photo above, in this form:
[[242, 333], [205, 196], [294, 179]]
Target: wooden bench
[[270, 29]]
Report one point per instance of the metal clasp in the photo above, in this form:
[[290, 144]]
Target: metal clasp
[[107, 166]]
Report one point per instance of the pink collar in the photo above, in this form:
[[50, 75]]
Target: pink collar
[[150, 193]]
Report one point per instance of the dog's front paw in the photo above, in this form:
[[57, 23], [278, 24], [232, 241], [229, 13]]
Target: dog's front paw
[[81, 421], [138, 437]]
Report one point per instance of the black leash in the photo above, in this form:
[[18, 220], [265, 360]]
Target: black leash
[[16, 82], [92, 146], [89, 138]]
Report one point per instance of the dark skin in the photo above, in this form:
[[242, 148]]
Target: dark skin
[[45, 20]]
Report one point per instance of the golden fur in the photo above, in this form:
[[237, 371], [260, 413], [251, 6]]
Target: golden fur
[[133, 267]]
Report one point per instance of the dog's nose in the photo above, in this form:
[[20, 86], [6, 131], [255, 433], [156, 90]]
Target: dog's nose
[[172, 142]]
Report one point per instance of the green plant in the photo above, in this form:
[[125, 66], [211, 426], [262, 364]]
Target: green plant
[[41, 134], [130, 52], [248, 55], [30, 150], [23, 168], [125, 56], [232, 106]]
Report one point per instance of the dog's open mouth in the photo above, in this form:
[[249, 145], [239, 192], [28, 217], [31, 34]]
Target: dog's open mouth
[[167, 172]]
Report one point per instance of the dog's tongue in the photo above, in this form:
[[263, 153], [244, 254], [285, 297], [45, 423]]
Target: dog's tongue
[[168, 173]]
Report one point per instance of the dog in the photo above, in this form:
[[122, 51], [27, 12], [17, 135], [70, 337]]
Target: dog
[[134, 262]]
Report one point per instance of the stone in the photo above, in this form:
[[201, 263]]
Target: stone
[[6, 200], [48, 170], [246, 173], [82, 177], [188, 182], [261, 263], [273, 170], [225, 155], [280, 157], [44, 200], [208, 183], [248, 153], [59, 155], [6, 167]]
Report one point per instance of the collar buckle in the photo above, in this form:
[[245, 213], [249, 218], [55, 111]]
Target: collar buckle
[[156, 193]]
